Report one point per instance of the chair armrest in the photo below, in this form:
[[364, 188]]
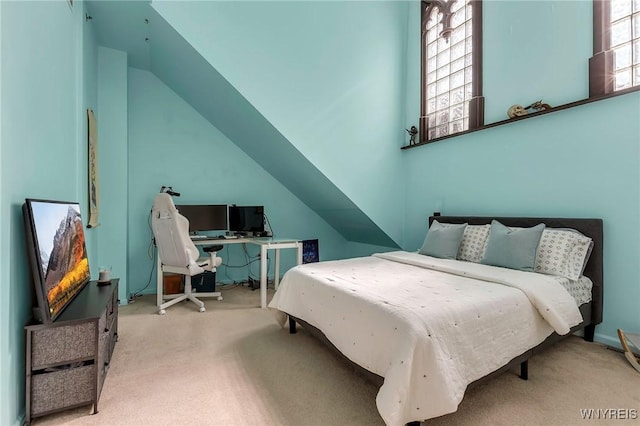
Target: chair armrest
[[212, 250], [215, 260]]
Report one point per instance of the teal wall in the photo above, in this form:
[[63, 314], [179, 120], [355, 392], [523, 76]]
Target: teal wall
[[527, 45], [580, 162], [351, 92], [47, 51], [172, 144], [340, 67], [5, 318], [88, 81], [112, 125]]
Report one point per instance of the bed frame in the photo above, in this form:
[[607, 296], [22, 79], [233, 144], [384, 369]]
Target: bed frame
[[591, 312]]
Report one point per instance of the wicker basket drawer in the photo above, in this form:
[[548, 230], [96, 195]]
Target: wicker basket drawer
[[57, 345], [107, 343], [108, 315], [113, 314], [63, 388], [102, 323]]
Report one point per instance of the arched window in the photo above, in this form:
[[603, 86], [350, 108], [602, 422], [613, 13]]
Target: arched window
[[451, 70], [615, 64]]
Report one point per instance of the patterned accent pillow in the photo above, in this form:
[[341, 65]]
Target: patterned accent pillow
[[563, 252], [474, 242]]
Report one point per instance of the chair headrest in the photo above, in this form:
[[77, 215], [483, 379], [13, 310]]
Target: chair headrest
[[163, 204]]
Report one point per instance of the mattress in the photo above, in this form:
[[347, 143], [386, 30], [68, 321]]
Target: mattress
[[429, 326]]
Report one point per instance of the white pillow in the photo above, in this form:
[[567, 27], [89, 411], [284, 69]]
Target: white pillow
[[474, 242], [563, 252]]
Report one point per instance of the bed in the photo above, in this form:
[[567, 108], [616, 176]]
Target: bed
[[427, 328]]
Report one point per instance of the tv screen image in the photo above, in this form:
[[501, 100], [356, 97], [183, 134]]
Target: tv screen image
[[57, 253], [246, 219]]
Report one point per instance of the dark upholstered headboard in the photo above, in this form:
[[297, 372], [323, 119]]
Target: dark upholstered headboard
[[590, 227]]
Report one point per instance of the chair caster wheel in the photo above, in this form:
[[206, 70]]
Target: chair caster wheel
[[161, 312], [202, 309], [219, 298]]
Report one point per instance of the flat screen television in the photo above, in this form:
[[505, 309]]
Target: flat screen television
[[246, 219], [57, 254], [204, 217]]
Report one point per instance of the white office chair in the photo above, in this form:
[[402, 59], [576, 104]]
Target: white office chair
[[177, 253]]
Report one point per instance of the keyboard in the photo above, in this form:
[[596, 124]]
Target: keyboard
[[213, 237], [200, 237]]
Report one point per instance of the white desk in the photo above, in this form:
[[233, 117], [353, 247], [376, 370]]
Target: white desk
[[264, 243]]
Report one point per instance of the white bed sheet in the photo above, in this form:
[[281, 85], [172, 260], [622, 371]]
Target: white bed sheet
[[428, 326]]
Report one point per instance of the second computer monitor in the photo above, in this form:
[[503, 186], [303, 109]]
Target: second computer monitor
[[246, 219]]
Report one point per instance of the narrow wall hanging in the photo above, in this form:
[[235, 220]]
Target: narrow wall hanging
[[94, 188]]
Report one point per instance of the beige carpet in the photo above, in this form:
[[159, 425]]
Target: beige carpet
[[233, 365]]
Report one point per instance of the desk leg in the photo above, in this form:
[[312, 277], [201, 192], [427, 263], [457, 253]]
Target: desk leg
[[263, 276], [276, 276], [158, 281]]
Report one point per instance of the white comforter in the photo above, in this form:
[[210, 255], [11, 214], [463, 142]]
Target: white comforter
[[428, 326]]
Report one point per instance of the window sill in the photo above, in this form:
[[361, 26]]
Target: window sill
[[524, 117]]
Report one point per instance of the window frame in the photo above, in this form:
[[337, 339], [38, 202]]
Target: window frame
[[476, 103], [602, 63]]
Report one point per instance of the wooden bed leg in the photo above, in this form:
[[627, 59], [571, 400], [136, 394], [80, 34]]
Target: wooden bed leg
[[589, 332], [292, 325], [524, 370]]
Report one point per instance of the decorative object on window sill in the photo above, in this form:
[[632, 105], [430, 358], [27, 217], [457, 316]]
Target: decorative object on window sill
[[516, 111], [413, 132], [519, 110]]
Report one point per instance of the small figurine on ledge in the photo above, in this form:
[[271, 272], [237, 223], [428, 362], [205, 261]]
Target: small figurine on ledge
[[413, 131], [519, 110]]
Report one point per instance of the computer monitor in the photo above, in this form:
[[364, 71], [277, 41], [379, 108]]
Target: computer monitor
[[204, 217], [246, 219]]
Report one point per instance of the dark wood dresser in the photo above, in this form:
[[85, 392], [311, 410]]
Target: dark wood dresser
[[68, 359]]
